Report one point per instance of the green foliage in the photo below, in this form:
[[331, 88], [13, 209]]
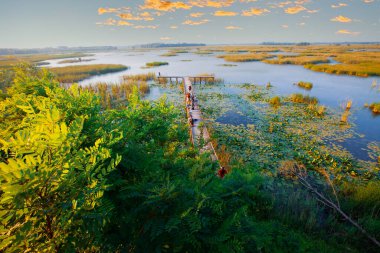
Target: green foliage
[[76, 177]]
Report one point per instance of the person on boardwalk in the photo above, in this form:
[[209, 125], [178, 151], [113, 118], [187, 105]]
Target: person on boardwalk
[[159, 73], [222, 172]]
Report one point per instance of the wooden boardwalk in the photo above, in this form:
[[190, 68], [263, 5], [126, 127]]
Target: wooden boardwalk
[[199, 133]]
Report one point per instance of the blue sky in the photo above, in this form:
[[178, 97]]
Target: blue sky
[[40, 23]]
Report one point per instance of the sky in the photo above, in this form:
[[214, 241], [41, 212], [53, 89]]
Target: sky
[[51, 23]]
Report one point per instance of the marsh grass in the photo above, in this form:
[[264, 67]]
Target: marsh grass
[[75, 61], [297, 60], [275, 101], [303, 99], [305, 85], [344, 117], [71, 74], [375, 107], [151, 76], [349, 104], [116, 94], [9, 61], [245, 57], [156, 64]]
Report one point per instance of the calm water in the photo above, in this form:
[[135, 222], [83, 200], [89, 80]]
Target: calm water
[[331, 90]]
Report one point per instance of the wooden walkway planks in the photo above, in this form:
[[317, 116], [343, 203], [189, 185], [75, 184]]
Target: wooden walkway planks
[[198, 131]]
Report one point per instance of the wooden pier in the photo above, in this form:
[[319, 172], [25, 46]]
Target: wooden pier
[[193, 79], [198, 131]]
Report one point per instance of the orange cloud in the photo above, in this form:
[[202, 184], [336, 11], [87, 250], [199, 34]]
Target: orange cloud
[[339, 5], [166, 38], [225, 13], [146, 27], [295, 9], [254, 12], [214, 4], [347, 32], [231, 27], [196, 14], [191, 22], [341, 19], [109, 21], [173, 27], [160, 5], [124, 23], [142, 16], [101, 11]]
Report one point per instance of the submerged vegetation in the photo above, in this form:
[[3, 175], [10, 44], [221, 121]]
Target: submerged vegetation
[[71, 74]]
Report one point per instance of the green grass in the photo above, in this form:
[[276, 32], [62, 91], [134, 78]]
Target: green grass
[[156, 64], [305, 85], [71, 74]]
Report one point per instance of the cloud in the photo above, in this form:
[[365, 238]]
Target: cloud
[[225, 13], [146, 16], [102, 10], [295, 9], [146, 27], [173, 27], [347, 32], [196, 14], [124, 23], [109, 21], [209, 3], [339, 5], [341, 19], [254, 12], [160, 5], [231, 27], [200, 22], [285, 26], [166, 38], [368, 1]]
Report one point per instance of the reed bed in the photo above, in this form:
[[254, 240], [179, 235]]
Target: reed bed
[[156, 64], [8, 61], [302, 99], [305, 85], [114, 94], [375, 107], [151, 76], [71, 74], [245, 57], [297, 60], [75, 60], [362, 70]]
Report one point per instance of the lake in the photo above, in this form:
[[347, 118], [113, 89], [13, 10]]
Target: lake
[[331, 90]]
